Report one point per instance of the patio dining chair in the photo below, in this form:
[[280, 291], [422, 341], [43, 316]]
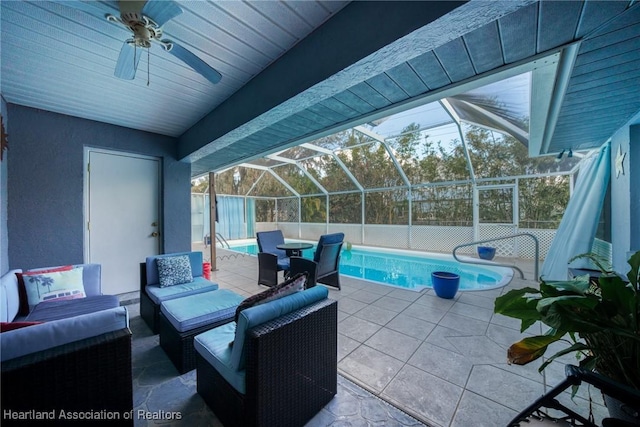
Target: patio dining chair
[[271, 260], [324, 266]]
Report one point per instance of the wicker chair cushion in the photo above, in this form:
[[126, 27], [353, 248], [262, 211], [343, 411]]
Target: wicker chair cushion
[[284, 264], [197, 310], [262, 313], [213, 346], [268, 240], [327, 239], [197, 286]]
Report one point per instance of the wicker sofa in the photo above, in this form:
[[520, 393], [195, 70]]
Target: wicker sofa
[[75, 360], [282, 367]]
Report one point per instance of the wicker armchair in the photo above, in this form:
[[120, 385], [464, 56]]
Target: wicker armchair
[[291, 371], [324, 267], [86, 376], [270, 259]]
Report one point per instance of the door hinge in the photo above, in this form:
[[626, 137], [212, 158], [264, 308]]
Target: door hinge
[[88, 226], [89, 167]]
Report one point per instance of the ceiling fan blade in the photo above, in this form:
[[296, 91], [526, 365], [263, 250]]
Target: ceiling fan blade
[[128, 62], [196, 63], [161, 10], [96, 8]]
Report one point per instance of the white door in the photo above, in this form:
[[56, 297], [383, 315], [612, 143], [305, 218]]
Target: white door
[[122, 216]]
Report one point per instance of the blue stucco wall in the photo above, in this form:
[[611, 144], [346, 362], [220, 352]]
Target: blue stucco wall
[[634, 187], [625, 195], [4, 235], [45, 185]]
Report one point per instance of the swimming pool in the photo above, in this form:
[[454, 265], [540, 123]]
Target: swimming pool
[[405, 269]]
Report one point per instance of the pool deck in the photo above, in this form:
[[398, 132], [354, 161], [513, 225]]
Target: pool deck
[[441, 361]]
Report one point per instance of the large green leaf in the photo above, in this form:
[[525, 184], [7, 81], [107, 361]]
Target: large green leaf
[[634, 273], [577, 301], [601, 262], [515, 303], [619, 294], [571, 287], [574, 315], [530, 348], [575, 347]]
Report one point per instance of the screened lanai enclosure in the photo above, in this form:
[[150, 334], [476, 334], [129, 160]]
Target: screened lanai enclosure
[[430, 177]]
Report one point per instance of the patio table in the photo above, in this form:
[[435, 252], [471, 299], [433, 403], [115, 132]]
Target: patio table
[[294, 248]]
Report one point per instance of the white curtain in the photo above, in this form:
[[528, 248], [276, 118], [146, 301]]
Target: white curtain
[[231, 222], [580, 220]]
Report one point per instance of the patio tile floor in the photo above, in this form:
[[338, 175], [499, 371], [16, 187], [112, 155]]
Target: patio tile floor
[[158, 390], [440, 361]]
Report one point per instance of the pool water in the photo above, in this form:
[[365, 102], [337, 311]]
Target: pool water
[[406, 269]]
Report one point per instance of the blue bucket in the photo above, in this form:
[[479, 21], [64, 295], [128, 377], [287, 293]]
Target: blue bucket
[[445, 284]]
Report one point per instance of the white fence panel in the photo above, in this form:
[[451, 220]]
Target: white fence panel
[[289, 229], [526, 246], [435, 238], [265, 226], [391, 236], [352, 232]]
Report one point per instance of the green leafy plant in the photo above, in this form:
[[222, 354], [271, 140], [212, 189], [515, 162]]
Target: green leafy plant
[[599, 320]]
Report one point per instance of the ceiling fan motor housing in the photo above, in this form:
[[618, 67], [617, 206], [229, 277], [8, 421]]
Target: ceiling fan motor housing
[[143, 28]]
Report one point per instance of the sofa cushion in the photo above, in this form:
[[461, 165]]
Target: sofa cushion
[[40, 337], [289, 286], [55, 310], [262, 313], [202, 309], [52, 286], [151, 266], [199, 285], [91, 278], [9, 296], [213, 347], [174, 270]]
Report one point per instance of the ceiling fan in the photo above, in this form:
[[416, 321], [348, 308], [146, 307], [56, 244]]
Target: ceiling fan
[[146, 25]]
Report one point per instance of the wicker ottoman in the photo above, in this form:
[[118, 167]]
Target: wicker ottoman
[[183, 318]]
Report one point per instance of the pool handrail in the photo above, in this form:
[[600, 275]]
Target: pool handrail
[[222, 240], [473, 261]]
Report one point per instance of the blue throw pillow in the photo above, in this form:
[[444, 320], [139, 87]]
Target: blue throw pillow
[[174, 270]]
